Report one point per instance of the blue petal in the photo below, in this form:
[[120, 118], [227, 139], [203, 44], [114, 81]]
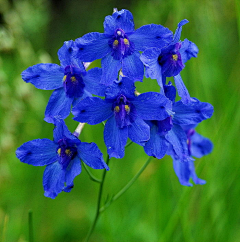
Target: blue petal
[[188, 50], [196, 180], [132, 67], [178, 139], [157, 145], [153, 106], [73, 169], [170, 91], [61, 131], [44, 76], [177, 34], [139, 132], [92, 82], [38, 152], [115, 138], [150, 60], [92, 110], [182, 90], [59, 106], [110, 69], [193, 114], [120, 19], [124, 85], [91, 156], [53, 180], [67, 53], [182, 171], [151, 35], [200, 145], [92, 46]]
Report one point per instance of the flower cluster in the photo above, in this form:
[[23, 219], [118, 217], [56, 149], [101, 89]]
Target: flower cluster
[[153, 120]]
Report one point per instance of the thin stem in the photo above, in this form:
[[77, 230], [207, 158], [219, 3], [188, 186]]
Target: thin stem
[[78, 130], [30, 226], [129, 143], [92, 177], [126, 187], [98, 203]]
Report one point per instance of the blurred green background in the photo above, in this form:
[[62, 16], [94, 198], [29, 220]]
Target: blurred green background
[[157, 207]]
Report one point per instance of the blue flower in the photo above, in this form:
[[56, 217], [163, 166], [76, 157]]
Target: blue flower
[[124, 112], [119, 45], [170, 132], [70, 81], [198, 146], [62, 158], [169, 61]]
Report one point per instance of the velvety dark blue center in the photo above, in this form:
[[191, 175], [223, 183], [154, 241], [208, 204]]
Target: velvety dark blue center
[[124, 111], [67, 151], [73, 82], [120, 45], [164, 125], [170, 60]]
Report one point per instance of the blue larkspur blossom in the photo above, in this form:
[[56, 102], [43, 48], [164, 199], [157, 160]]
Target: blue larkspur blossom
[[169, 61], [170, 132], [124, 112], [198, 146], [70, 82], [62, 158], [120, 44]]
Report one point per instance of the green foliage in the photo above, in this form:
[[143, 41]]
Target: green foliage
[[156, 207]]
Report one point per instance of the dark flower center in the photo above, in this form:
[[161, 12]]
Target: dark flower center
[[164, 125], [170, 60], [73, 82], [67, 151], [121, 45], [124, 111], [190, 133]]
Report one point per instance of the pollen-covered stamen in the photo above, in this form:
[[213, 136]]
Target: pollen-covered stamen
[[116, 109], [175, 57], [115, 43], [126, 41], [73, 79], [64, 78], [119, 33], [127, 108]]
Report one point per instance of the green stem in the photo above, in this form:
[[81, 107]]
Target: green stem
[[30, 226], [92, 177], [98, 203], [129, 143], [126, 187]]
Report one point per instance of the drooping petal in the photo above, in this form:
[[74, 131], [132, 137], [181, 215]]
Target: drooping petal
[[92, 46], [188, 50], [200, 145], [115, 138], [110, 68], [153, 106], [59, 106], [170, 91], [120, 19], [191, 114], [91, 156], [92, 110], [151, 35], [53, 180], [92, 82], [132, 67], [139, 132], [178, 139], [194, 176], [38, 152], [177, 34], [73, 169], [157, 145], [182, 90], [182, 171], [44, 76]]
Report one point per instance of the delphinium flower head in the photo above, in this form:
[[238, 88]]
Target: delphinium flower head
[[124, 112], [198, 146], [120, 44], [170, 132], [169, 62], [70, 82], [62, 158]]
